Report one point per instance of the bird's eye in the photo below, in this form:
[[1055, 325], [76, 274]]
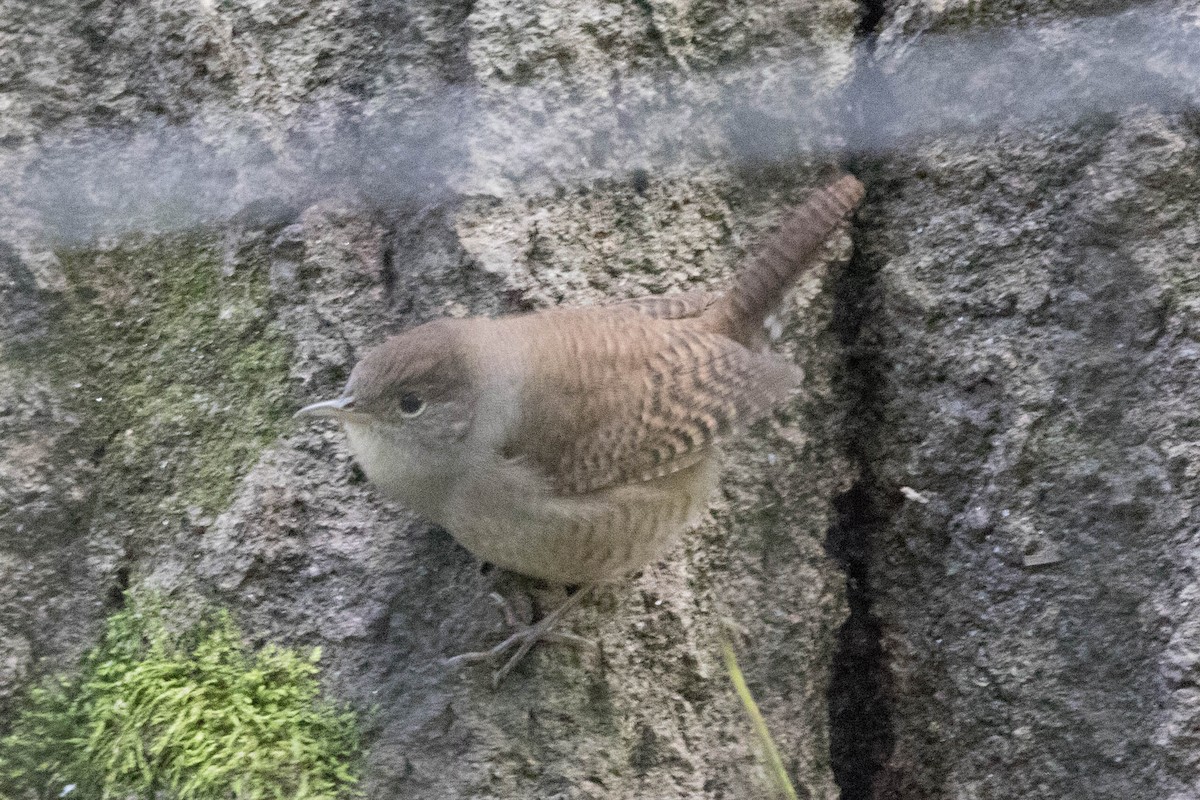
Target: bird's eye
[[411, 405]]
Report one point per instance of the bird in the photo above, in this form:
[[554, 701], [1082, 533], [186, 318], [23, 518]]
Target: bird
[[576, 444]]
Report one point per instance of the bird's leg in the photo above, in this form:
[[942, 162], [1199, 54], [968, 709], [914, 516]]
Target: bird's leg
[[526, 636]]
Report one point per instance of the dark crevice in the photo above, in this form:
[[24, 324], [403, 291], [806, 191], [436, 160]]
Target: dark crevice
[[118, 592], [872, 13], [387, 266], [861, 733], [861, 737]]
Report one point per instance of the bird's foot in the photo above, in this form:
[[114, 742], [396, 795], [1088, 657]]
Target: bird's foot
[[525, 637]]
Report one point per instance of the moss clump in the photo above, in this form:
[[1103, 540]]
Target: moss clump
[[190, 716], [168, 353]]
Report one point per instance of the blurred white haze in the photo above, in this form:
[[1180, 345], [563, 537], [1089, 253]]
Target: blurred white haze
[[465, 139]]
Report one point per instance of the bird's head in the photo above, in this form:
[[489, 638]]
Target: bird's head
[[416, 389]]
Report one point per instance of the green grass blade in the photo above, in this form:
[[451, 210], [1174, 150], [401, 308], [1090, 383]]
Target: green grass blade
[[775, 766]]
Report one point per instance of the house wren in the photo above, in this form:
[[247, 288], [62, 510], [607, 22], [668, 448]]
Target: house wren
[[576, 444]]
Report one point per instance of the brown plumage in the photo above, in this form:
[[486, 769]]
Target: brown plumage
[[575, 444], [760, 285]]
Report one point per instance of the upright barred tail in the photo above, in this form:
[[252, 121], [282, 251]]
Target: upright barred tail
[[760, 286]]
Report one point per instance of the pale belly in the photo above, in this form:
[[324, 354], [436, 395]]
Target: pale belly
[[581, 539], [505, 514]]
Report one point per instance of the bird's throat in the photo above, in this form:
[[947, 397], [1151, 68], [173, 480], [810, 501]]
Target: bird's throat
[[420, 478]]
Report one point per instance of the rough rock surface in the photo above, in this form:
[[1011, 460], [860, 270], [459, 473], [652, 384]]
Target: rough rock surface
[[210, 209], [1030, 324]]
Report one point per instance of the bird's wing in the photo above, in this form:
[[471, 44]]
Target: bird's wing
[[622, 397]]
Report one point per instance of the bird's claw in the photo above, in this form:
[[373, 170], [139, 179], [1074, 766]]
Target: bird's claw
[[523, 639]]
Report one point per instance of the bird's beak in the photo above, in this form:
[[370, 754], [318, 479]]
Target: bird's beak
[[341, 407]]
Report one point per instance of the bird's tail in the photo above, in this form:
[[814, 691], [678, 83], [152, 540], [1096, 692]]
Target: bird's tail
[[760, 286]]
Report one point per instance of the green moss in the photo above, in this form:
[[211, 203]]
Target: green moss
[[190, 716], [176, 367]]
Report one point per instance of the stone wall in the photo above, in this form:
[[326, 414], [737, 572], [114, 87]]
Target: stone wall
[[210, 210]]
